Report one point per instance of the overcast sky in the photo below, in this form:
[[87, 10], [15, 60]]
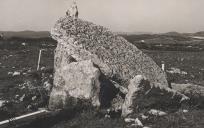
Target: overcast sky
[[118, 15]]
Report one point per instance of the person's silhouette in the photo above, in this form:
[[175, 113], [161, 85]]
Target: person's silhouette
[[73, 11]]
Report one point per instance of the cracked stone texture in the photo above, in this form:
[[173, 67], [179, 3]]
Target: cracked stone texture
[[142, 95], [79, 81]]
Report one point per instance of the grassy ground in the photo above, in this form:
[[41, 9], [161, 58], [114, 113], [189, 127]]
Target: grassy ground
[[21, 55], [193, 119], [190, 62]]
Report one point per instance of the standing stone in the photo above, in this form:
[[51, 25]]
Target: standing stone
[[144, 95], [77, 80], [194, 92]]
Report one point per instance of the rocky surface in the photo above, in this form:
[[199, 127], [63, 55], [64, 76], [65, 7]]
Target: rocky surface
[[189, 89], [142, 95], [117, 59], [194, 92], [80, 80]]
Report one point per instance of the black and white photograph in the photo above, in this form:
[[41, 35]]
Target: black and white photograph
[[101, 64]]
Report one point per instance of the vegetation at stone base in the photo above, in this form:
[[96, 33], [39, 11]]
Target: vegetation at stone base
[[86, 116], [192, 119], [90, 118]]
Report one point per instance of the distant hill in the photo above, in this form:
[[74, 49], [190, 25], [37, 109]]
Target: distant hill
[[163, 37], [201, 33], [45, 34], [130, 36], [25, 34], [173, 34], [168, 41], [143, 40], [133, 33]]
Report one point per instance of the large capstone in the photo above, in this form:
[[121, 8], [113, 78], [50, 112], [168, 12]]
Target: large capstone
[[116, 58]]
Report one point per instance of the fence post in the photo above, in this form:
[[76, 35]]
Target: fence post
[[39, 58]]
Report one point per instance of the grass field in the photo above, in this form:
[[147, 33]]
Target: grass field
[[189, 62]]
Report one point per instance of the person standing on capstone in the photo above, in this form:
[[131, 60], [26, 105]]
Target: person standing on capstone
[[73, 11], [1, 36]]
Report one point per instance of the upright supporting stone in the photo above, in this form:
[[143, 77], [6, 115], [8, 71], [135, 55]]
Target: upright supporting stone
[[142, 95], [79, 81]]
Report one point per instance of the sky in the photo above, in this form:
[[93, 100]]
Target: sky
[[119, 15]]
